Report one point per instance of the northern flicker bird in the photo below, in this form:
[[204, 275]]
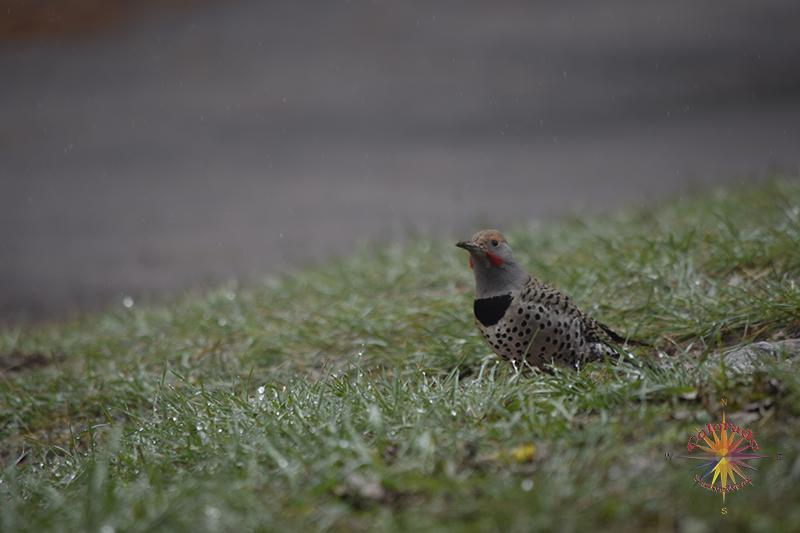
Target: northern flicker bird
[[522, 318]]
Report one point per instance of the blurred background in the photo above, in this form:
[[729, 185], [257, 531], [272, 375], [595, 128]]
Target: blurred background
[[151, 145]]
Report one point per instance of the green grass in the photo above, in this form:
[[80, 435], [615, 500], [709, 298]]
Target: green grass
[[357, 395]]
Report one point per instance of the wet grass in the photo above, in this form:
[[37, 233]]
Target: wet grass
[[356, 395]]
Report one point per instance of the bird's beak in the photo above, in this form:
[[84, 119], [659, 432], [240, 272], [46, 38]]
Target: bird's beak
[[470, 246]]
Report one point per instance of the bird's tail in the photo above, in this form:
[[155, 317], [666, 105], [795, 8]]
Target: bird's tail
[[619, 339]]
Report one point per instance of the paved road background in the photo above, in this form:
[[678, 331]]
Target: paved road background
[[168, 147]]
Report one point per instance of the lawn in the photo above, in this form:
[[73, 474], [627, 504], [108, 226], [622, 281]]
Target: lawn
[[357, 394]]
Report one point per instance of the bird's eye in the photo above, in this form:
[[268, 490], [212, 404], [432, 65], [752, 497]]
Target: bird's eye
[[494, 242]]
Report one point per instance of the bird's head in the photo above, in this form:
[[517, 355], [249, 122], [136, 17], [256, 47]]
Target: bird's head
[[490, 256], [487, 248]]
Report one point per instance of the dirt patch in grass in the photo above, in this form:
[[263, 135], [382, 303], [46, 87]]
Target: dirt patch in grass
[[16, 362]]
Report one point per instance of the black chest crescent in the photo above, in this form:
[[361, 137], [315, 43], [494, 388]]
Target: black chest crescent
[[489, 311]]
